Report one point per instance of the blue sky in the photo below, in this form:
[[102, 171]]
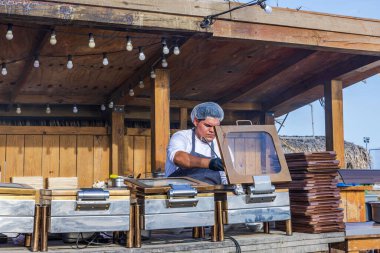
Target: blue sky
[[361, 101]]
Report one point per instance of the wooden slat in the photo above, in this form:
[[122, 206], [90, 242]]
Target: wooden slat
[[14, 156], [101, 158], [343, 204], [33, 155], [3, 141], [85, 160], [68, 155], [117, 148], [334, 119], [139, 156], [148, 156], [53, 130], [128, 154], [183, 116], [50, 156], [160, 120]]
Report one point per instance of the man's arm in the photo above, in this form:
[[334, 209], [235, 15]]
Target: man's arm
[[187, 161]]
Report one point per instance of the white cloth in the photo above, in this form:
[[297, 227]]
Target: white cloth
[[181, 141]]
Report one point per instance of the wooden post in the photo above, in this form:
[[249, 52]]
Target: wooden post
[[117, 150], [160, 120], [334, 119], [267, 118], [183, 118]]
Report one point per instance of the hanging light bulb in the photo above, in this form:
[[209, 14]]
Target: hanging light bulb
[[105, 59], [110, 105], [141, 54], [265, 7], [131, 92], [129, 45], [91, 40], [102, 107], [75, 109], [9, 34], [4, 71], [53, 38], [152, 74], [164, 63], [141, 84], [18, 109], [48, 110], [176, 50], [165, 48], [70, 64], [36, 62]]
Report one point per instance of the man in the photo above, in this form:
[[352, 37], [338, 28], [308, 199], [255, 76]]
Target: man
[[194, 152]]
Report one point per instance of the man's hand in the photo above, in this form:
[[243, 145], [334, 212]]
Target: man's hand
[[216, 164]]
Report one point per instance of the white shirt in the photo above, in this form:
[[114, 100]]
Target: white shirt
[[181, 141]]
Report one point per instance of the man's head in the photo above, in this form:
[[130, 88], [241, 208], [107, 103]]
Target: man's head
[[204, 117]]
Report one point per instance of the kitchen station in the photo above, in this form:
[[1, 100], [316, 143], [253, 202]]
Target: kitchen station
[[92, 91]]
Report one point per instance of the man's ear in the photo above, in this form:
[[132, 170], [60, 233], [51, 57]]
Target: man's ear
[[195, 122]]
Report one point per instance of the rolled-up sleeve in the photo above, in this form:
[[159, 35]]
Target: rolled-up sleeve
[[178, 142]]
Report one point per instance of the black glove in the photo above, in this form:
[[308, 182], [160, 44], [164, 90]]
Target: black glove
[[216, 164]]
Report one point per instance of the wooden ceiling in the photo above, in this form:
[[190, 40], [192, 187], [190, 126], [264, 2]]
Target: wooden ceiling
[[275, 77]]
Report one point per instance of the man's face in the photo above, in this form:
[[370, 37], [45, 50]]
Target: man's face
[[205, 128]]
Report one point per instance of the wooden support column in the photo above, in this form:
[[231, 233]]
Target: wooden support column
[[117, 149], [334, 119], [160, 120], [267, 118], [183, 118]]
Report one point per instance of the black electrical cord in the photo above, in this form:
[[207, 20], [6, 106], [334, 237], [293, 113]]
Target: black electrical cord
[[88, 243], [237, 245]]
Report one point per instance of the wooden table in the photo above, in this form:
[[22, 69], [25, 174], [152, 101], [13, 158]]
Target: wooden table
[[353, 203]]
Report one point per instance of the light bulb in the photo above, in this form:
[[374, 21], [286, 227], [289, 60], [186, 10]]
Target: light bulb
[[9, 34], [18, 110], [165, 49], [4, 71], [141, 84], [53, 38], [48, 110], [141, 54], [70, 64], [91, 40], [105, 59], [164, 63], [102, 107], [152, 74], [131, 92], [75, 109], [36, 62], [110, 105], [265, 7], [176, 50], [129, 45]]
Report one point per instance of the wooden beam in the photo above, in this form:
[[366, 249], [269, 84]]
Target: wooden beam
[[259, 82], [117, 148], [299, 37], [360, 73], [317, 79], [183, 118], [267, 118], [39, 42], [160, 120], [53, 130], [334, 119], [54, 99], [144, 102]]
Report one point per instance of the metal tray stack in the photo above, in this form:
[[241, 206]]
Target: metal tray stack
[[314, 196]]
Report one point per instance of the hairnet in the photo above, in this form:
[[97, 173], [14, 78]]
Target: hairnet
[[207, 109]]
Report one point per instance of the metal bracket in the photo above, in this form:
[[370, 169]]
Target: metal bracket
[[182, 196], [92, 205], [262, 190]]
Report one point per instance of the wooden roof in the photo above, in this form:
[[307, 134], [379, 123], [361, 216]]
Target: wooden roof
[[275, 62]]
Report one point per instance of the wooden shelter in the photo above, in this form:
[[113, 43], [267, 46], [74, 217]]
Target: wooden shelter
[[257, 66]]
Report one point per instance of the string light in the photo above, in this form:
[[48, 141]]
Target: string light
[[110, 105], [75, 109], [165, 49], [176, 50], [152, 74], [141, 54], [105, 59], [131, 92], [70, 64], [102, 107], [129, 45], [164, 63], [265, 7], [9, 34], [53, 38], [36, 62], [18, 109], [48, 109], [141, 84], [4, 71], [91, 40]]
